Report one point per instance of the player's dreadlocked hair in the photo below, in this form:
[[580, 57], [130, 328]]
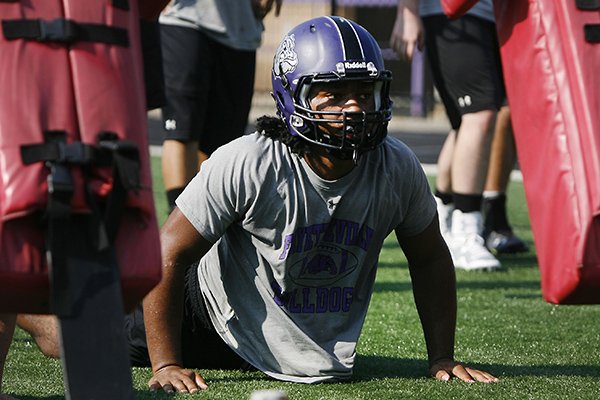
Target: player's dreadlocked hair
[[275, 128]]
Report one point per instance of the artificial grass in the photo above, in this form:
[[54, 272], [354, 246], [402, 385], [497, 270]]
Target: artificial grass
[[538, 350]]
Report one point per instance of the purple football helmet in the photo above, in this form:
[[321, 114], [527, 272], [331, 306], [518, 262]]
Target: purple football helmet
[[330, 49]]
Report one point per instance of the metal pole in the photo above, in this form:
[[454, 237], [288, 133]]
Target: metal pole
[[417, 92]]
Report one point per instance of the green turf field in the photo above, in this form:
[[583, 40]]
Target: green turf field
[[538, 350]]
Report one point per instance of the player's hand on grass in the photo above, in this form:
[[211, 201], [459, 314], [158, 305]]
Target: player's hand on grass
[[444, 370], [174, 378]]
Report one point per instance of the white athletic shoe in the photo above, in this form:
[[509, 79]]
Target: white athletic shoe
[[445, 217], [467, 247]]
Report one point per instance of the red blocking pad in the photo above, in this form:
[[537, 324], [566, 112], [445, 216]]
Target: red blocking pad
[[82, 87], [551, 59]]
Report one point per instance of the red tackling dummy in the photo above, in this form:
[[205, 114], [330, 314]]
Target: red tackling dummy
[[75, 67], [551, 58]]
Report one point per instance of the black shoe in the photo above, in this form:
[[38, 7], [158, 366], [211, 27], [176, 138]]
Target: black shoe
[[505, 242]]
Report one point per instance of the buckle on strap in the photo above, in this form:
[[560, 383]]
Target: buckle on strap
[[57, 30]]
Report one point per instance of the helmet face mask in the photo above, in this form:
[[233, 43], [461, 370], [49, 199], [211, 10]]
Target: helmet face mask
[[336, 52]]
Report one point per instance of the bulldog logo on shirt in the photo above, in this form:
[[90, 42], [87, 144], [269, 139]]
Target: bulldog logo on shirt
[[325, 265]]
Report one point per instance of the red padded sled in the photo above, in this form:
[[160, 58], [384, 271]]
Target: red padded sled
[[78, 70], [551, 59]]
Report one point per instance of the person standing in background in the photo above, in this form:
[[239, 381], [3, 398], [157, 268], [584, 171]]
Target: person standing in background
[[209, 57], [497, 231], [465, 62]]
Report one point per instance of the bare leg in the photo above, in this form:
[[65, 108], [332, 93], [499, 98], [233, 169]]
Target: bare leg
[[179, 163], [443, 180], [498, 233], [471, 152], [44, 330], [468, 174], [443, 185], [503, 154]]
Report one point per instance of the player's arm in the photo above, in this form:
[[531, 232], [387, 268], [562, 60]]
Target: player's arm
[[181, 245], [7, 328], [434, 290]]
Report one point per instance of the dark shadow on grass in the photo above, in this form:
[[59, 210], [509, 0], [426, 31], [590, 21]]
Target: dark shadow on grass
[[498, 285], [392, 286], [508, 261], [465, 285], [525, 260], [257, 376], [391, 244], [55, 397], [138, 394], [378, 367], [401, 264], [532, 296]]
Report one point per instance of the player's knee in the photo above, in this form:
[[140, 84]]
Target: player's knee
[[44, 331], [49, 348]]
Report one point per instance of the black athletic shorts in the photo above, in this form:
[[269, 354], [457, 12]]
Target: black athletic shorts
[[208, 86], [464, 57], [202, 347], [152, 62]]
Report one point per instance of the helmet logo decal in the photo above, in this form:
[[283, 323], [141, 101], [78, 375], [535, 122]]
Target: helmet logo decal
[[286, 58], [342, 67], [355, 65]]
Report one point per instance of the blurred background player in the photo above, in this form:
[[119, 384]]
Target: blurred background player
[[465, 61], [497, 231], [209, 58]]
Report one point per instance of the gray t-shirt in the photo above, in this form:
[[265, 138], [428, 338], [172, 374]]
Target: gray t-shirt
[[483, 9], [288, 283], [229, 22]]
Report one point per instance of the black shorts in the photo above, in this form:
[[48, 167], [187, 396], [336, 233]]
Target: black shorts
[[209, 88], [152, 62], [464, 57], [202, 347]]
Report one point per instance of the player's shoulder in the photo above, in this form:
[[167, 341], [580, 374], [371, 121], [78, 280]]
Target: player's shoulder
[[395, 161], [252, 144], [253, 155], [396, 150]]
